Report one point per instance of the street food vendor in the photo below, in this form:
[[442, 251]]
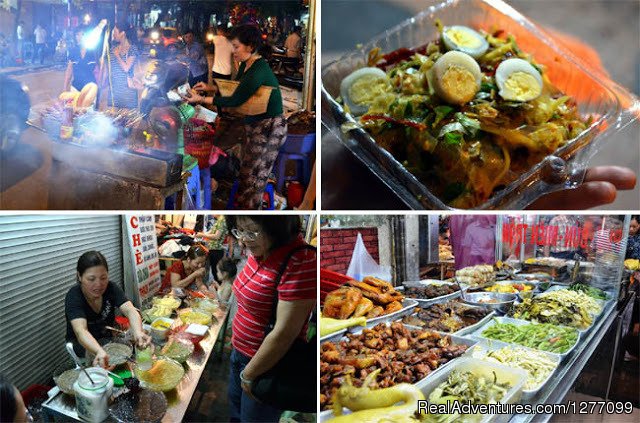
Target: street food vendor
[[265, 133], [188, 273], [124, 56], [90, 306]]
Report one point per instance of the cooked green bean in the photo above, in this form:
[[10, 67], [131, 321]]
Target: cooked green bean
[[545, 337]]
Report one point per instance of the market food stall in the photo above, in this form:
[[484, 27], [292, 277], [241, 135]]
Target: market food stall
[[62, 406], [510, 332]]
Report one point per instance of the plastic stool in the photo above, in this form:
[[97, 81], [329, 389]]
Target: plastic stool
[[269, 190], [232, 195], [193, 187], [302, 175], [205, 176], [299, 143]]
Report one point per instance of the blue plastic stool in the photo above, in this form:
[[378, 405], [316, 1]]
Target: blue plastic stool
[[205, 176], [193, 187], [270, 190], [303, 168], [299, 143]]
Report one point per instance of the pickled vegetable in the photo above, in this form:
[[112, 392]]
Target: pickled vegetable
[[329, 325], [466, 387], [562, 307], [536, 363]]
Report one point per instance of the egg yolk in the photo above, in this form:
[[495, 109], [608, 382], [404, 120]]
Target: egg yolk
[[458, 84], [463, 38], [365, 89], [521, 86]]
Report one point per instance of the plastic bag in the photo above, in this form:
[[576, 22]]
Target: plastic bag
[[362, 264]]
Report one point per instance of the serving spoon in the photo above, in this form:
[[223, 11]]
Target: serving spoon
[[75, 358]]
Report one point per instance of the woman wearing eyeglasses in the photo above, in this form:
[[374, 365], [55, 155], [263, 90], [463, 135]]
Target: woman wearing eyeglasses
[[269, 240], [90, 307], [189, 272]]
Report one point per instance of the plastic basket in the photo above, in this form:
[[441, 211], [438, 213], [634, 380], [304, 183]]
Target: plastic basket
[[330, 281], [198, 142]]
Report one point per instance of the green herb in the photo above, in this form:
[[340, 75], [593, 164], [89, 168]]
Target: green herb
[[471, 126], [452, 139], [536, 67], [408, 109], [441, 113], [487, 87]]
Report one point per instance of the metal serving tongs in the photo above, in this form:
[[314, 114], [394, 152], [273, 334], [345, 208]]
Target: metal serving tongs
[[455, 279], [75, 358]]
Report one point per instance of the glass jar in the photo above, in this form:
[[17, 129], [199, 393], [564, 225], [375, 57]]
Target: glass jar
[[92, 399]]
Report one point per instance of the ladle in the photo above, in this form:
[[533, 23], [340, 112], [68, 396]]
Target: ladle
[[75, 358]]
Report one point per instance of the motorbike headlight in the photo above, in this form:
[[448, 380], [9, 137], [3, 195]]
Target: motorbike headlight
[[155, 36]]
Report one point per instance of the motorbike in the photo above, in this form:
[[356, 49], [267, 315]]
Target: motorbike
[[286, 68], [14, 112]]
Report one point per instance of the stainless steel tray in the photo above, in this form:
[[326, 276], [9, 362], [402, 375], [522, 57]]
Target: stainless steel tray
[[491, 345], [518, 322], [426, 302], [457, 340], [407, 308]]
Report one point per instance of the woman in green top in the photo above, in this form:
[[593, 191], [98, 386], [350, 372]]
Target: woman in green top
[[216, 238], [265, 133]]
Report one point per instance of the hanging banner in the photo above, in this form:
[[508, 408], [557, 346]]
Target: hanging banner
[[543, 234], [143, 247]]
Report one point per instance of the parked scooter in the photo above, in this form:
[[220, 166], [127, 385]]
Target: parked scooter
[[14, 112]]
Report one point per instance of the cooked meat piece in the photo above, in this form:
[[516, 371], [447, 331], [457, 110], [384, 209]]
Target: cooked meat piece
[[393, 307], [341, 303], [375, 312], [382, 286], [364, 306]]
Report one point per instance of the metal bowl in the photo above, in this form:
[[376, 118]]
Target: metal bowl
[[491, 300], [521, 294]]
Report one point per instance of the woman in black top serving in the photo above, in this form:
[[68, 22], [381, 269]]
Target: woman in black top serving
[[90, 306]]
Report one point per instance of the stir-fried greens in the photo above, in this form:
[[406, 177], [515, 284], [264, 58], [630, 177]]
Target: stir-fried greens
[[562, 307], [467, 114]]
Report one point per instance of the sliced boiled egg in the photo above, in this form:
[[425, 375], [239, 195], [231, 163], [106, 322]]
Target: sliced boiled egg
[[359, 89], [464, 39], [518, 80], [456, 77]]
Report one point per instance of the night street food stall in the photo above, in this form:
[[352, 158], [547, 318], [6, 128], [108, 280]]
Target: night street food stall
[[156, 151], [520, 328], [155, 383]]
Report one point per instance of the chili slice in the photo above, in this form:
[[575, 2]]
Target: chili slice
[[405, 122]]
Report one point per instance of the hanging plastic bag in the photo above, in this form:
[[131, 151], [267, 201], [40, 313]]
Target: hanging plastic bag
[[362, 264]]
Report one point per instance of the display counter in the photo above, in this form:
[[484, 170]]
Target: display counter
[[62, 407]]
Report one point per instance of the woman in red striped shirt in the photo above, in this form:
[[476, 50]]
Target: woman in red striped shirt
[[270, 240]]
